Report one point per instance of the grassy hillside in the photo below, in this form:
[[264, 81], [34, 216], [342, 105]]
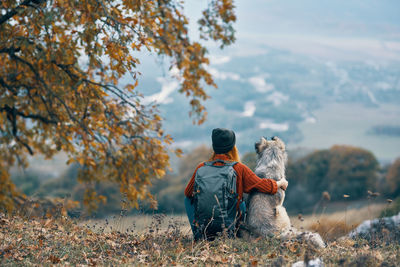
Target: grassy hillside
[[166, 242]]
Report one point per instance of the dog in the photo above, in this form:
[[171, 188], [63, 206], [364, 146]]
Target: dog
[[266, 215]]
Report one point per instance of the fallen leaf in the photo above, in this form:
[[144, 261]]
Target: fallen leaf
[[54, 259], [271, 255], [253, 261]]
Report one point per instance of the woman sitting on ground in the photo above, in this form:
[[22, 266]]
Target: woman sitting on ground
[[214, 194]]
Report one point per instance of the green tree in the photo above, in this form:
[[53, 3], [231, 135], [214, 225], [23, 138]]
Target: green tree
[[339, 170], [393, 178], [62, 186], [60, 66], [250, 159], [352, 171], [28, 181], [311, 170]]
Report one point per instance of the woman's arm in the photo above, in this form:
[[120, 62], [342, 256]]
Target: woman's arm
[[251, 181], [189, 187]]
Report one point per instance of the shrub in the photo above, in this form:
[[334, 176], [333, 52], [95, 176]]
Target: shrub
[[27, 182], [393, 178], [340, 170], [392, 209]]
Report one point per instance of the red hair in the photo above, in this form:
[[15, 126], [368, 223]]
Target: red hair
[[233, 155]]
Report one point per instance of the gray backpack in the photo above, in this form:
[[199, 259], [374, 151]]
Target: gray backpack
[[215, 200]]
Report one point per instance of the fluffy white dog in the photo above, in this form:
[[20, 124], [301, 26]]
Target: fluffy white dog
[[266, 215]]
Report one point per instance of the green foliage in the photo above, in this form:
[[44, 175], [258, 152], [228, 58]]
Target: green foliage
[[27, 182], [392, 209], [393, 178], [67, 187], [299, 199], [352, 171], [340, 170], [250, 159]]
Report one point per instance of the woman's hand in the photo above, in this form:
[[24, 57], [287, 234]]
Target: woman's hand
[[283, 184]]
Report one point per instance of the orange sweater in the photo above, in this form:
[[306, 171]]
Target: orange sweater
[[246, 180]]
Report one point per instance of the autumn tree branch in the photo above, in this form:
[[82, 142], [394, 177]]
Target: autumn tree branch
[[10, 50], [18, 9], [12, 114], [15, 113], [5, 85]]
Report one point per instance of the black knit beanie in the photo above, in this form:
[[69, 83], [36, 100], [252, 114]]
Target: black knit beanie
[[223, 140]]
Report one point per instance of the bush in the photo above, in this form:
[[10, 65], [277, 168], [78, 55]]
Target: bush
[[250, 160], [392, 208], [393, 178], [62, 186], [352, 171], [67, 187], [339, 170], [27, 182], [299, 199]]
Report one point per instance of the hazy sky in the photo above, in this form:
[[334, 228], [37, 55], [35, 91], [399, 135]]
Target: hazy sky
[[355, 18], [324, 28]]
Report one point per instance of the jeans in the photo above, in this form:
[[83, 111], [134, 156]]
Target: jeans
[[190, 210]]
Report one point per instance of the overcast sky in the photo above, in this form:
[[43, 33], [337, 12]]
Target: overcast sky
[[323, 28]]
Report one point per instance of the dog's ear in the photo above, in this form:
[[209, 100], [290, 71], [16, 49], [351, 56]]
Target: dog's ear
[[260, 145], [280, 143]]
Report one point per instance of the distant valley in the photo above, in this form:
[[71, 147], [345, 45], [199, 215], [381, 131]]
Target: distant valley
[[290, 95]]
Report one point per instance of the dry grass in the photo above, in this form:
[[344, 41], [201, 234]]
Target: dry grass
[[41, 242], [139, 223], [329, 225], [337, 224], [166, 241], [331, 229]]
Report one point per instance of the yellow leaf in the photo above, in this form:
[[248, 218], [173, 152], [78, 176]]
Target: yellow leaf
[[81, 161], [159, 172]]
